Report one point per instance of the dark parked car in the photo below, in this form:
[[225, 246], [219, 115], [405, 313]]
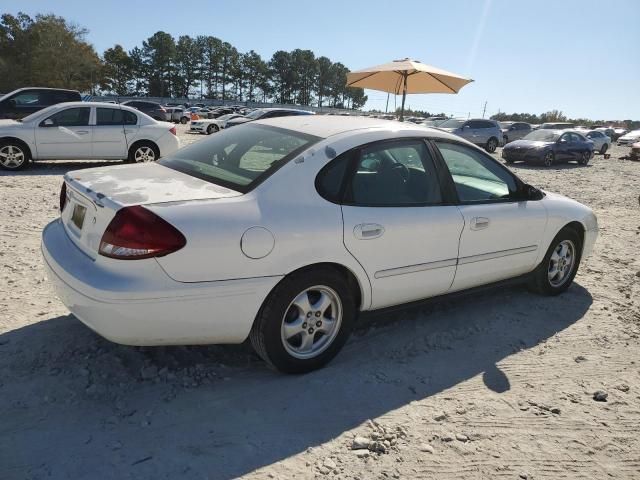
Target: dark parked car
[[547, 147], [25, 101], [262, 113], [153, 109]]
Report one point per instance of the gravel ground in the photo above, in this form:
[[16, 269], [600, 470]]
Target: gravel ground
[[504, 384]]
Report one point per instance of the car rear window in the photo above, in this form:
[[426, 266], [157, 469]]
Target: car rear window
[[240, 158]]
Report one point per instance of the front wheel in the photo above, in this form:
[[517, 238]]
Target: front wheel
[[560, 265], [305, 321], [184, 120], [491, 145], [584, 158], [548, 159], [603, 149], [212, 129]]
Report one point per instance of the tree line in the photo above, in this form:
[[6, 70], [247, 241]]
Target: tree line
[[558, 116], [49, 51]]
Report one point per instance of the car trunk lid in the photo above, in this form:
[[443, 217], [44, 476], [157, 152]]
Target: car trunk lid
[[95, 195]]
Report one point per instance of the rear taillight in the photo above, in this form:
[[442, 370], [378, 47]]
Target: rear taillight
[[136, 233], [173, 130], [63, 197]]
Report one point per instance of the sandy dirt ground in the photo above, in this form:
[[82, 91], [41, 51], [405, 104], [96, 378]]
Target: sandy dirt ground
[[496, 385]]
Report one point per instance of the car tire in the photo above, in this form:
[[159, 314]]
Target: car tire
[[584, 158], [505, 140], [548, 159], [603, 149], [212, 129], [14, 156], [491, 145], [144, 151], [289, 330], [184, 120], [554, 276]]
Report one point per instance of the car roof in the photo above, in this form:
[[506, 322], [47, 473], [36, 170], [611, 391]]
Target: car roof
[[272, 109], [324, 126]]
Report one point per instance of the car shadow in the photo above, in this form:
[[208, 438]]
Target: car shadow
[[77, 406], [58, 167], [557, 166]]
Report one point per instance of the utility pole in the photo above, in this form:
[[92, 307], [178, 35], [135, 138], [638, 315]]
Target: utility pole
[[386, 109], [484, 109]]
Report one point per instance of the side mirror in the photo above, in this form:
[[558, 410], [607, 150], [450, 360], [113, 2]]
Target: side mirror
[[47, 123]]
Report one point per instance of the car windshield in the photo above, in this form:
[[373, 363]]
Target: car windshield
[[240, 158], [451, 123], [542, 136], [256, 114]]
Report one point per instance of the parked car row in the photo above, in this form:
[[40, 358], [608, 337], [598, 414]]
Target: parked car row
[[229, 120]]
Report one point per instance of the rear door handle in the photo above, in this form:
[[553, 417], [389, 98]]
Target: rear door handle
[[479, 223], [368, 231]]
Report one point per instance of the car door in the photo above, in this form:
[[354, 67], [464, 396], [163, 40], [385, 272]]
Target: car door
[[109, 139], [502, 234], [563, 148], [470, 131], [397, 223], [65, 134]]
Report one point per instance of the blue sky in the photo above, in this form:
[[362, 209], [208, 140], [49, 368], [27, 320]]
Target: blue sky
[[580, 57]]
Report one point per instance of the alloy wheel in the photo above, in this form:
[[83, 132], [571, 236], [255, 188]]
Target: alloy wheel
[[548, 159], [11, 157], [311, 322], [492, 144], [561, 263], [144, 154]]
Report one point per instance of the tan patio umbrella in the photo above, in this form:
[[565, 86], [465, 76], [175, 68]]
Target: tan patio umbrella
[[407, 76]]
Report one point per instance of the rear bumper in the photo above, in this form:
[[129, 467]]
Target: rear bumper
[[136, 303]]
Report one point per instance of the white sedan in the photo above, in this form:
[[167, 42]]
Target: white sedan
[[212, 125], [283, 230], [629, 138], [85, 131]]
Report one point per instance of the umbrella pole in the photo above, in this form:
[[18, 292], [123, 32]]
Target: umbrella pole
[[404, 96]]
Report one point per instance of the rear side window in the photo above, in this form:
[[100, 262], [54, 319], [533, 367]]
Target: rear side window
[[130, 118], [109, 116], [330, 179], [394, 174], [28, 99]]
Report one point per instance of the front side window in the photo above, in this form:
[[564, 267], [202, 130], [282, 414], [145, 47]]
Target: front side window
[[396, 174], [27, 99], [71, 117], [477, 178], [240, 158]]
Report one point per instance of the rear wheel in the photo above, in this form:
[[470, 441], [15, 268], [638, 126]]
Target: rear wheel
[[548, 159], [13, 156], [305, 321], [603, 149], [212, 129], [144, 152], [183, 120], [491, 145], [560, 265]]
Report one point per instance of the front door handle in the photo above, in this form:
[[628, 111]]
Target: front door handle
[[368, 231], [82, 132], [479, 223]]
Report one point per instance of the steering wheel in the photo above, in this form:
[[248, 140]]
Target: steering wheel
[[402, 169]]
